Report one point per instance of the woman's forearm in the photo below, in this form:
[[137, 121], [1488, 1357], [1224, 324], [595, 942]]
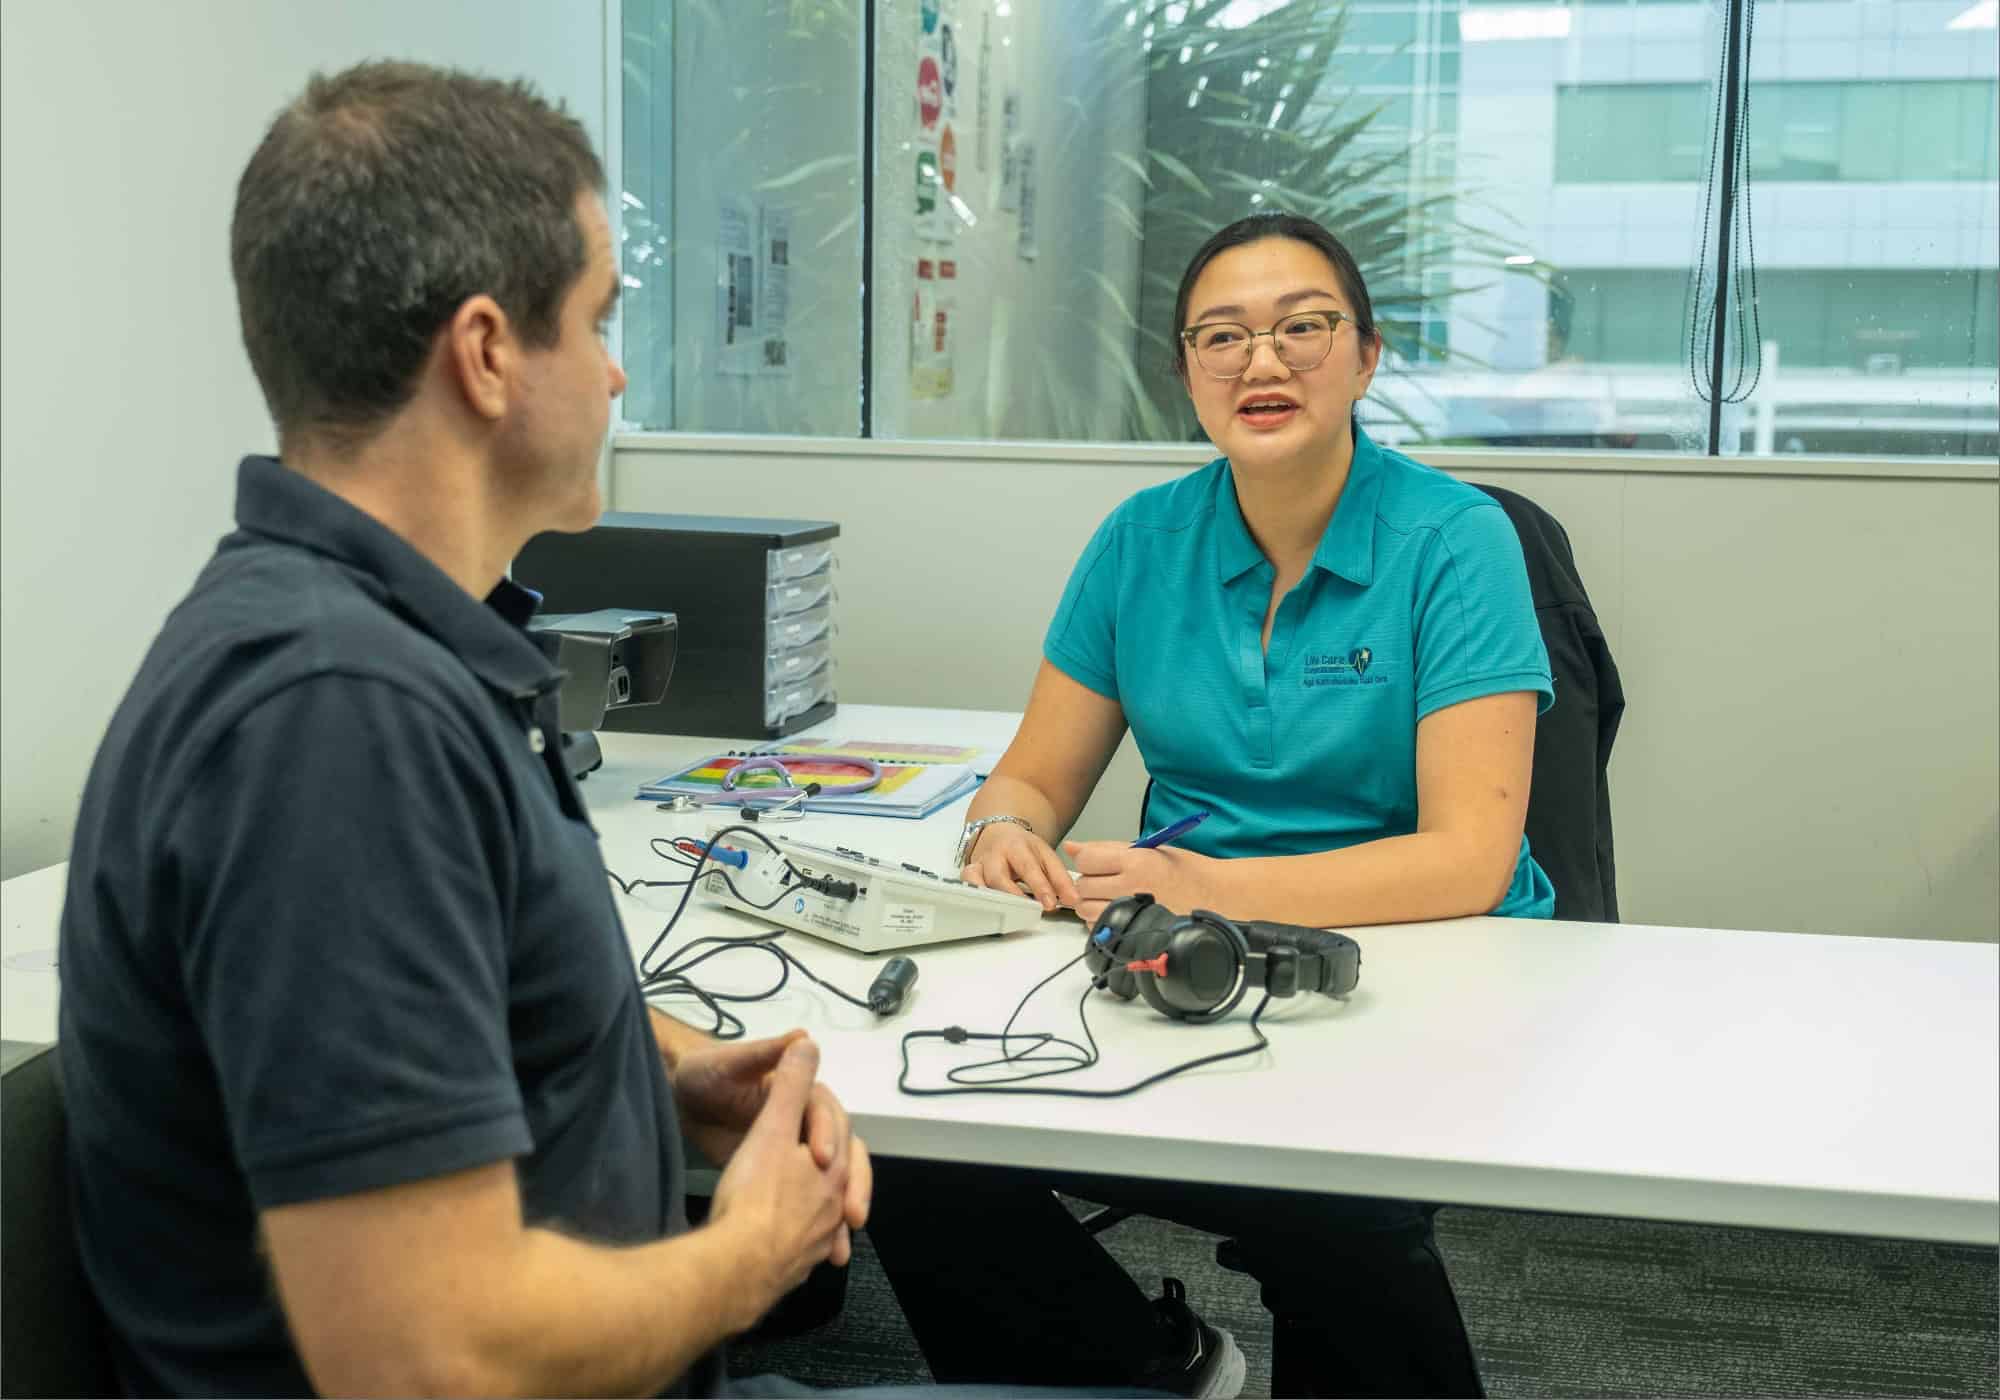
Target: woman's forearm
[[1398, 879], [1017, 797]]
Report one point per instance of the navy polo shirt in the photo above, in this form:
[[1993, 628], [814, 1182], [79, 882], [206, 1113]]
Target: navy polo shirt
[[1417, 598], [336, 920]]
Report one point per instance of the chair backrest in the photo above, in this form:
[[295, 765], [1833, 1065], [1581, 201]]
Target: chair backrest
[[1569, 798], [56, 1341]]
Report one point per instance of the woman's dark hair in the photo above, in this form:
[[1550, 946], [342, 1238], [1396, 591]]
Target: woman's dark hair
[[1255, 229]]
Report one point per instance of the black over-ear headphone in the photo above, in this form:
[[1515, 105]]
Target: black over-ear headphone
[[1197, 968]]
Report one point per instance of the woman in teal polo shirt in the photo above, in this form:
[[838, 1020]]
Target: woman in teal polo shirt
[[1332, 650], [1328, 647]]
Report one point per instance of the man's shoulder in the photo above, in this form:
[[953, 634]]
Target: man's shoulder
[[262, 621], [271, 615]]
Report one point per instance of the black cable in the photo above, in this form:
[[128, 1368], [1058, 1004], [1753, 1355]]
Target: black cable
[[673, 851], [669, 977], [1730, 307], [720, 872], [1697, 310], [627, 886], [673, 979], [1750, 348], [1083, 1056]]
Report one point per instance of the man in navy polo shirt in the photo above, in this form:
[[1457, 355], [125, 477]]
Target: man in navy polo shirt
[[363, 1094]]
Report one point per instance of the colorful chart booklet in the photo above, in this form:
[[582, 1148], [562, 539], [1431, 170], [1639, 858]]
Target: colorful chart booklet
[[916, 780]]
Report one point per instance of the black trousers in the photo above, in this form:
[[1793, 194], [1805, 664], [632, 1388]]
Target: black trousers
[[1003, 1286]]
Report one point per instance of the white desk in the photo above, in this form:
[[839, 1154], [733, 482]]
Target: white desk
[[1791, 1081]]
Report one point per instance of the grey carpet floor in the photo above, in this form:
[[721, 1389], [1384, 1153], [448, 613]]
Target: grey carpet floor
[[1573, 1306]]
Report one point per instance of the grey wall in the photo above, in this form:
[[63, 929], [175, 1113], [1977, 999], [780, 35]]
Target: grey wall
[[123, 127], [1812, 661]]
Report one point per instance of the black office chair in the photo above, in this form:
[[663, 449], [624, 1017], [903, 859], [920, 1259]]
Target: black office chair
[[1569, 798], [56, 1340]]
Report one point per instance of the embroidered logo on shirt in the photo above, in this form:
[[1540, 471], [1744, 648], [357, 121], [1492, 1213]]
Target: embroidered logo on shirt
[[1324, 668]]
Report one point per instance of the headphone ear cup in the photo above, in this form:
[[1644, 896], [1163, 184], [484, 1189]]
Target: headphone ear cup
[[1207, 969], [1150, 990], [1120, 983], [1145, 939], [1105, 970], [1105, 946]]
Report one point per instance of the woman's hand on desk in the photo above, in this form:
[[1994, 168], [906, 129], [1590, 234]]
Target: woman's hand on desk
[[1108, 870], [1008, 856]]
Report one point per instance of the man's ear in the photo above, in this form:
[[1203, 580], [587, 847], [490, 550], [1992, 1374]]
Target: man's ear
[[479, 353]]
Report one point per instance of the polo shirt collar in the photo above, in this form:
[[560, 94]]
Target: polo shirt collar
[[1236, 552], [1347, 548], [277, 503]]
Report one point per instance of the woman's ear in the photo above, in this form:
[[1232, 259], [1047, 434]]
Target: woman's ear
[[1370, 358]]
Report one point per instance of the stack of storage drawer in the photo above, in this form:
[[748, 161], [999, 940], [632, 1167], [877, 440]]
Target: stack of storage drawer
[[798, 634], [755, 602]]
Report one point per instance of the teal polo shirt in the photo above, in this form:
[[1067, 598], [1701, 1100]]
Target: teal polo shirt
[[1417, 598]]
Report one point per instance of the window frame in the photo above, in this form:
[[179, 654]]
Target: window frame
[[1717, 457]]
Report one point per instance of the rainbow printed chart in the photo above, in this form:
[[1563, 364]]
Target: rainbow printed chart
[[907, 789]]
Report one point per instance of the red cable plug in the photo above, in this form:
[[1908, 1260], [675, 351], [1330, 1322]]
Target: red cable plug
[[1157, 966]]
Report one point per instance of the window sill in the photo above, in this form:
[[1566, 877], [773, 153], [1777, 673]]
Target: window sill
[[1457, 460]]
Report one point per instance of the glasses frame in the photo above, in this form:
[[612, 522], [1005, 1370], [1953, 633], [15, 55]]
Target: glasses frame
[[1250, 338]]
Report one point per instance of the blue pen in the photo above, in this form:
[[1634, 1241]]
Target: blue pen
[[1171, 832]]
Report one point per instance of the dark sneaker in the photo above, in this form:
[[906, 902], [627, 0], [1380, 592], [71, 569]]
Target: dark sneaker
[[1203, 1361]]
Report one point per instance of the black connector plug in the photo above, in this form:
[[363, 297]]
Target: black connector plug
[[885, 997]]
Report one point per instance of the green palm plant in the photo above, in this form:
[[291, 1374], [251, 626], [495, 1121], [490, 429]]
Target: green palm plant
[[1256, 115]]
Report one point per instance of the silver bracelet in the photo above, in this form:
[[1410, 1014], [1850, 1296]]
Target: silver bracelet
[[970, 835]]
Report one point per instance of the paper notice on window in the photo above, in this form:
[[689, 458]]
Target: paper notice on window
[[948, 65], [1025, 161], [1010, 151], [982, 97], [775, 303], [753, 288], [736, 346]]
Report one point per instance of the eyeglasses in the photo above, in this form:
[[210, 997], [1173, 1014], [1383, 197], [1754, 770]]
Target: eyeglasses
[[1301, 340]]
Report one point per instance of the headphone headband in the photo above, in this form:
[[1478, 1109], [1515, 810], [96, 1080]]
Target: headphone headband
[[1329, 962], [789, 785]]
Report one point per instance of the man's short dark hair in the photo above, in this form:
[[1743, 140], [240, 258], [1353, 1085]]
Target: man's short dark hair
[[379, 201]]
